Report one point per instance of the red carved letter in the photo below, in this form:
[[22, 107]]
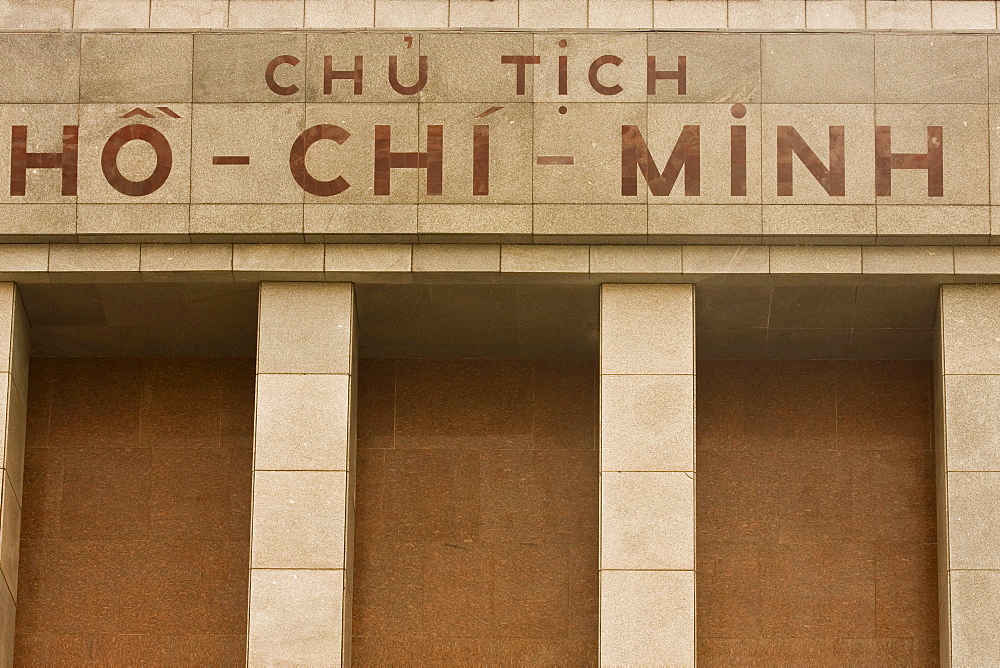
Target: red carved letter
[[269, 75], [521, 62], [831, 179], [21, 160], [686, 154], [932, 161], [109, 160], [329, 74], [652, 74], [408, 90], [386, 159], [596, 66], [297, 160]]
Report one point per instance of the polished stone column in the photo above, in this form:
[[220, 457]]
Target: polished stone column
[[968, 473], [303, 491], [647, 475], [14, 344]]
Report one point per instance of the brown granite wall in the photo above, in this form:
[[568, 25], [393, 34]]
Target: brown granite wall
[[816, 522], [477, 513], [136, 528]]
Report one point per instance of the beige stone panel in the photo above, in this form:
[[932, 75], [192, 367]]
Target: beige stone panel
[[296, 617], [893, 15], [831, 222], [267, 134], [970, 329], [944, 221], [231, 67], [963, 15], [628, 259], [478, 14], [973, 519], [526, 259], [813, 123], [38, 222], [456, 257], [766, 14], [689, 14], [591, 134], [226, 221], [98, 258], [411, 14], [510, 153], [137, 159], [7, 613], [993, 47], [468, 68], [178, 262], [977, 260], [24, 258], [44, 123], [725, 259], [835, 15], [965, 154], [354, 160], [14, 434], [584, 222], [104, 14], [547, 14], [188, 14], [907, 260], [673, 223], [647, 423], [930, 68], [720, 67], [131, 222], [40, 68], [20, 354], [647, 618], [635, 14], [36, 15], [815, 259], [581, 50], [475, 221], [647, 520], [340, 14], [10, 535], [301, 422], [975, 617], [647, 329], [305, 328], [135, 68], [298, 519], [368, 257], [266, 13], [818, 68], [375, 49], [255, 261], [972, 422], [994, 140], [665, 123], [397, 222]]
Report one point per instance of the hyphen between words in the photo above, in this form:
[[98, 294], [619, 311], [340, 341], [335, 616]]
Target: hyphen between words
[[636, 158]]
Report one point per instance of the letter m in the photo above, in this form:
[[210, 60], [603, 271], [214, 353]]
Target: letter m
[[636, 158]]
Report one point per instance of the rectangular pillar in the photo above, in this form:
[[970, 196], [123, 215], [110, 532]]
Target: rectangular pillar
[[303, 489], [14, 349], [968, 473], [647, 475]]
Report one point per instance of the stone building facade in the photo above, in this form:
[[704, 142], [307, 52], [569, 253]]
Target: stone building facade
[[499, 332]]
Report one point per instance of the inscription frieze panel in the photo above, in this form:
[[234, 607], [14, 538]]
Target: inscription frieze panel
[[716, 130]]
